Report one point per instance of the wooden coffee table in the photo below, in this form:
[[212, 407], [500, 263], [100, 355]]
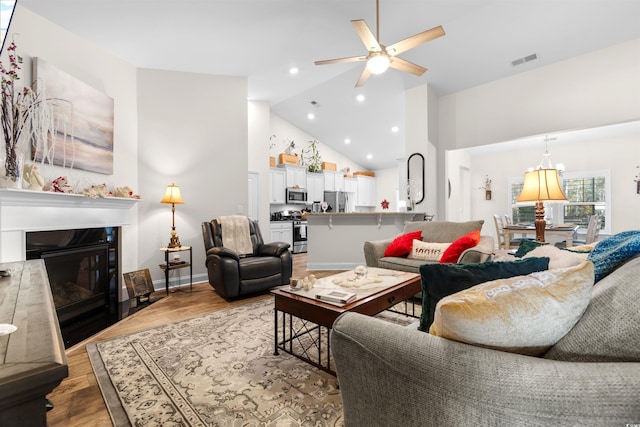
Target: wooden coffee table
[[303, 329]]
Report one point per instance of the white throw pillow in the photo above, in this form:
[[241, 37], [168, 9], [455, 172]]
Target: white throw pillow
[[558, 258], [427, 251], [522, 314]]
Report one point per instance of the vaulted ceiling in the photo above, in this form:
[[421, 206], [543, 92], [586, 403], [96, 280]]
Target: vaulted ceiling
[[263, 39]]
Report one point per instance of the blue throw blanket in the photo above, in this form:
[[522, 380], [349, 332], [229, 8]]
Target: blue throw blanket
[[608, 254]]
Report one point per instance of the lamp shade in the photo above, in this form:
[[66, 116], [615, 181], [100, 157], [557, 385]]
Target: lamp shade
[[541, 185], [172, 196]]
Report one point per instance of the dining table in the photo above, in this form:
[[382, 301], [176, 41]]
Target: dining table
[[564, 230]]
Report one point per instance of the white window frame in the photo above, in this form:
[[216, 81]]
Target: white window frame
[[559, 209]]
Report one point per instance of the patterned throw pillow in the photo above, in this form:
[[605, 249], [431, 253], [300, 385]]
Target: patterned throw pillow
[[401, 245], [441, 280], [427, 251], [523, 314]]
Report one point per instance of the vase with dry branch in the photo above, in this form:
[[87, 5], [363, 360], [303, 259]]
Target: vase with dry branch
[[23, 111]]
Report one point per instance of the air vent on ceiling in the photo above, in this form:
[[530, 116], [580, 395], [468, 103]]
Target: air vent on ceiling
[[524, 59]]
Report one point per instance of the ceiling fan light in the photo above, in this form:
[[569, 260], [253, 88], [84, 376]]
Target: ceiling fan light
[[378, 64]]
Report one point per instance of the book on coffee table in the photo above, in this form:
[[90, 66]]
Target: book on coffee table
[[336, 296]]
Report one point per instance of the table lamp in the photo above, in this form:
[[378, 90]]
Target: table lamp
[[541, 185], [173, 197]]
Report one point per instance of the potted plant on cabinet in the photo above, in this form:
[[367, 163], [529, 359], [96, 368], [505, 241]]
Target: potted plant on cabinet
[[314, 163]]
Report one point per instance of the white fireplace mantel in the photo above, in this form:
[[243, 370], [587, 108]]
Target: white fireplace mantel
[[25, 210]]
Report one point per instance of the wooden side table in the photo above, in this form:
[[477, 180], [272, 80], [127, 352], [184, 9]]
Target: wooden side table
[[168, 266]]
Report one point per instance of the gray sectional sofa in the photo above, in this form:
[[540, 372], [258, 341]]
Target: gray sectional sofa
[[432, 231], [395, 375]]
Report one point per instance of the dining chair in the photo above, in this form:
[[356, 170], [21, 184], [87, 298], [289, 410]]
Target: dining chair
[[500, 221], [593, 230]]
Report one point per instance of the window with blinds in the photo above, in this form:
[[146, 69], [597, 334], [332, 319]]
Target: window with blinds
[[587, 194]]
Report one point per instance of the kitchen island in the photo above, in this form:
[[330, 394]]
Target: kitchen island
[[335, 240]]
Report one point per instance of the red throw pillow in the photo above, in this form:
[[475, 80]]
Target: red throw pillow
[[401, 245], [463, 243]]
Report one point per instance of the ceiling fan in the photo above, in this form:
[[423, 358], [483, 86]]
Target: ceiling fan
[[381, 57]]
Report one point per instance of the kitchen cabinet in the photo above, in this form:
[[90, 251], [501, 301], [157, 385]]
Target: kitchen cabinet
[[296, 175], [329, 180], [339, 181], [351, 185], [333, 181], [315, 186], [277, 188], [282, 231], [366, 195]]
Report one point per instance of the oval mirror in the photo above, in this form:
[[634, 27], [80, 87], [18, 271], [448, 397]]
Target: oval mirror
[[415, 178]]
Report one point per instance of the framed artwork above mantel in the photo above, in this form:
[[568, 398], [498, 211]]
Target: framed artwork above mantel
[[83, 119]]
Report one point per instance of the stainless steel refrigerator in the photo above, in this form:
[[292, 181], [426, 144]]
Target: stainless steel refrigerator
[[337, 201]]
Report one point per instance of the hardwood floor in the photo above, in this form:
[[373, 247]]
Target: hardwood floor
[[78, 401]]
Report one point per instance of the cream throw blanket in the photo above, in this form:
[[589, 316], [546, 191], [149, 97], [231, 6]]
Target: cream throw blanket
[[235, 233]]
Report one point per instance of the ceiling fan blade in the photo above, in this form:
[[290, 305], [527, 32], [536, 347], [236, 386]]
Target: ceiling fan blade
[[366, 35], [363, 77], [415, 40], [340, 60], [404, 65]]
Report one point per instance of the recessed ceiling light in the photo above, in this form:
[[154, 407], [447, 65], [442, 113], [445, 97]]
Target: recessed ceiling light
[[395, 129], [347, 141], [293, 70], [311, 116], [360, 98], [369, 156]]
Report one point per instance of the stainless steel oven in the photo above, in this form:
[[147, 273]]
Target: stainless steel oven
[[299, 237]]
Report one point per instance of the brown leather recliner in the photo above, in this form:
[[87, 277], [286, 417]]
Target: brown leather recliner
[[232, 276]]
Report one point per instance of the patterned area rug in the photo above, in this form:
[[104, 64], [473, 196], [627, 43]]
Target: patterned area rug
[[213, 370]]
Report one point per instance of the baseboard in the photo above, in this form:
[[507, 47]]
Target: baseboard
[[175, 282]]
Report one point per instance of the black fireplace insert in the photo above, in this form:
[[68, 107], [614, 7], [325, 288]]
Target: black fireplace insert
[[82, 269]]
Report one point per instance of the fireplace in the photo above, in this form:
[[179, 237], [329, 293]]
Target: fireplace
[[53, 222], [81, 266]]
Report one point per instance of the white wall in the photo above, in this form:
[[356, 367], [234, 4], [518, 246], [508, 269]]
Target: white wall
[[259, 125], [619, 155], [591, 90], [420, 138], [36, 37], [192, 131], [457, 204], [387, 188], [283, 130]]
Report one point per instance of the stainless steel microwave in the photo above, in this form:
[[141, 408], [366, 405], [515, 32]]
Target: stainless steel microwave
[[296, 195]]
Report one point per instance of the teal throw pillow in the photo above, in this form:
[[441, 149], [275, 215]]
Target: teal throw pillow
[[441, 280], [526, 246]]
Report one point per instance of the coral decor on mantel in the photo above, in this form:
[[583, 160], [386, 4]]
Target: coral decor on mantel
[[60, 185]]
